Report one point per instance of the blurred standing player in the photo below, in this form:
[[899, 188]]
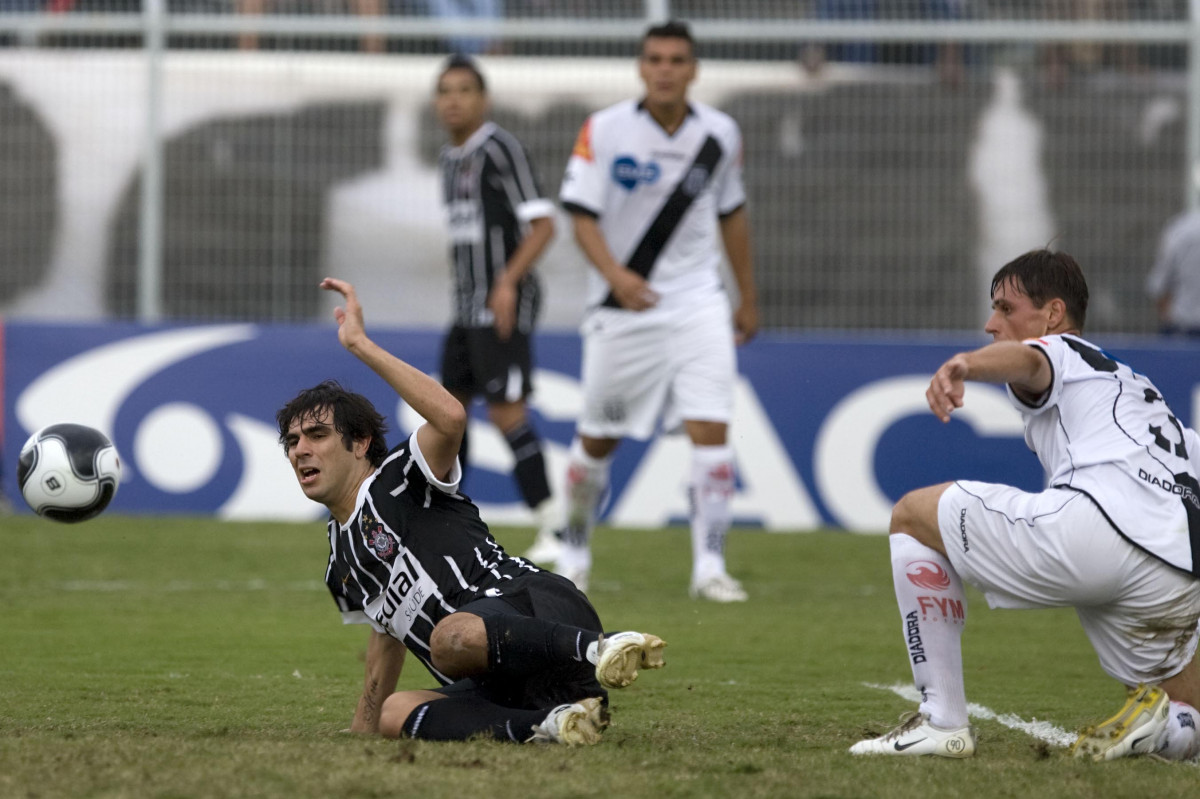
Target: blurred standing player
[[1174, 282], [1116, 535], [518, 651], [499, 225], [654, 188]]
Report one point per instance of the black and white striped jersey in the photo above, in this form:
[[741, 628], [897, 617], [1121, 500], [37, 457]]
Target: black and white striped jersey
[[490, 193], [414, 552]]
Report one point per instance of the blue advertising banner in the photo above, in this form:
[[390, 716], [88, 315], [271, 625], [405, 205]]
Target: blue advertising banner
[[829, 430]]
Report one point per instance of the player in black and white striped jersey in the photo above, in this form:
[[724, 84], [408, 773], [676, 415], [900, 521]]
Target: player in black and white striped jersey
[[499, 224], [518, 651]]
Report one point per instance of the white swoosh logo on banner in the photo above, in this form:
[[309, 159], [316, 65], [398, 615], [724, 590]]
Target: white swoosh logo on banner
[[91, 387]]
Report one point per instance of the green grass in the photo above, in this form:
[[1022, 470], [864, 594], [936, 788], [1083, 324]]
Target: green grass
[[191, 658]]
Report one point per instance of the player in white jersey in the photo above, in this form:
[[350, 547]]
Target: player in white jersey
[[1116, 535], [518, 651], [654, 188]]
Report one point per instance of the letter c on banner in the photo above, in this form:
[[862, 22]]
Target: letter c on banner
[[844, 455]]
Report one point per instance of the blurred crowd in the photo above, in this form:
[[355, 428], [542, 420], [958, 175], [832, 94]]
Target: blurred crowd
[[1059, 60]]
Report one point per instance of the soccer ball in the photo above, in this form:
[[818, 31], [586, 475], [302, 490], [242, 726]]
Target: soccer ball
[[68, 472]]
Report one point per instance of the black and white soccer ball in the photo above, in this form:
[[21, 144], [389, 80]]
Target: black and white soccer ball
[[68, 472]]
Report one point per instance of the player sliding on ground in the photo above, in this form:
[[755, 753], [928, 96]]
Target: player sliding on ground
[[518, 651], [1116, 535]]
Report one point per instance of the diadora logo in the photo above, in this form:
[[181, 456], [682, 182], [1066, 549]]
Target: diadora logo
[[928, 575], [628, 172]]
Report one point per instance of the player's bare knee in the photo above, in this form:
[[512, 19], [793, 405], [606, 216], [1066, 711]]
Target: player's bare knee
[[396, 710], [916, 515], [506, 415], [903, 515], [458, 645]]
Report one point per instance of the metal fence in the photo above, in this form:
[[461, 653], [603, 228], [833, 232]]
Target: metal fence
[[211, 159]]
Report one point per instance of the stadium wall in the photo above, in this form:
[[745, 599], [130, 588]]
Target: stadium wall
[[879, 197], [829, 429]]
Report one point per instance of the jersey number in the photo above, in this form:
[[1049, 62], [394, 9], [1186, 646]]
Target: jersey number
[[1178, 448]]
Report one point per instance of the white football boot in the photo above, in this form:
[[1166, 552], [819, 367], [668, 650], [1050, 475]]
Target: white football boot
[[546, 546], [917, 736], [1138, 728], [620, 655], [575, 563], [578, 724], [718, 588]]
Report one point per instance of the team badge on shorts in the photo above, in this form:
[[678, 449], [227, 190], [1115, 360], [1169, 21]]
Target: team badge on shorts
[[614, 410]]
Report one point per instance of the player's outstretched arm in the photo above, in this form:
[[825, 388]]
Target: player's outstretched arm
[[1020, 366], [445, 417], [385, 660]]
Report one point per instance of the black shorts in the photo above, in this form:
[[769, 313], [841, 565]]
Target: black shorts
[[475, 361], [550, 597]]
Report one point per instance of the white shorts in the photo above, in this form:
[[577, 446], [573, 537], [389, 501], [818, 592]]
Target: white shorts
[[674, 363], [1056, 549]]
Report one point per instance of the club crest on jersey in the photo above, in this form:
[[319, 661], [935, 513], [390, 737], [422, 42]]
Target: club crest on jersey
[[382, 544], [924, 574], [627, 172], [696, 180]]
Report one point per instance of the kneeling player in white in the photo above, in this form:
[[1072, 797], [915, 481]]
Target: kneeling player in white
[[1112, 537]]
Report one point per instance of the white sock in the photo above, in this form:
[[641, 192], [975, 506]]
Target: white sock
[[587, 480], [547, 516], [1180, 741], [710, 491], [933, 611]]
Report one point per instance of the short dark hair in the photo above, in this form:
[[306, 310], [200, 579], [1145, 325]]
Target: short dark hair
[[354, 417], [460, 61], [1043, 276], [671, 29]]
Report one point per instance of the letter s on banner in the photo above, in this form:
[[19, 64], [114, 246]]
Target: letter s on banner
[[844, 453]]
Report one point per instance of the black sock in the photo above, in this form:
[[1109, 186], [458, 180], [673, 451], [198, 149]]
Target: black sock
[[519, 645], [457, 718], [530, 471]]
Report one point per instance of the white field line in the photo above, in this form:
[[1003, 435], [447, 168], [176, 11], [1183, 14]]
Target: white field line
[[1041, 730]]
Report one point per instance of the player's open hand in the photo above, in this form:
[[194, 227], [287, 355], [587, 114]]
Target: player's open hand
[[349, 318], [745, 322], [502, 302], [945, 392], [632, 290]]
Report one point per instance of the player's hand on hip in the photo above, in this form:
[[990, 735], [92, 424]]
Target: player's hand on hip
[[350, 318], [745, 323], [503, 304], [945, 392], [633, 291]]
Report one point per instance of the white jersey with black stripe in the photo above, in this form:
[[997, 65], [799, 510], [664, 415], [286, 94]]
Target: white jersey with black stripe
[[491, 193], [1104, 429], [413, 552], [630, 174]]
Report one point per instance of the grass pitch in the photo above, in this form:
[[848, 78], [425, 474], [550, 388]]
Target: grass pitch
[[153, 657]]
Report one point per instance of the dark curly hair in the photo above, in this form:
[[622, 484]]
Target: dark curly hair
[[1043, 276], [354, 417]]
